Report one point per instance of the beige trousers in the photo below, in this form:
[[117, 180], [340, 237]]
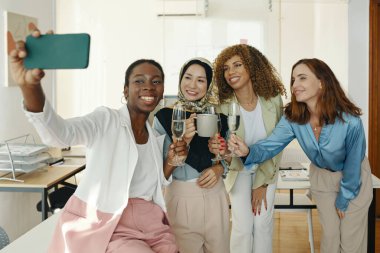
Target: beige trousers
[[199, 217], [348, 235]]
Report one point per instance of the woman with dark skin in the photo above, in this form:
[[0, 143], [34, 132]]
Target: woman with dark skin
[[118, 205]]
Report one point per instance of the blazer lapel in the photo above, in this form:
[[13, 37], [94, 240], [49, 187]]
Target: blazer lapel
[[157, 146], [269, 114]]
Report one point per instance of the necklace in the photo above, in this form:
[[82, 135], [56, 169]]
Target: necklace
[[252, 102], [316, 129]]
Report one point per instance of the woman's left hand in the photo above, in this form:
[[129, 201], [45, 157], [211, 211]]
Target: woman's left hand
[[258, 196], [210, 176], [340, 213]]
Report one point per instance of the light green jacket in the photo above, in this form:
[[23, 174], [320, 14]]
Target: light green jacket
[[267, 171]]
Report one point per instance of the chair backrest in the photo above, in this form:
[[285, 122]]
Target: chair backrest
[[4, 239], [58, 198]]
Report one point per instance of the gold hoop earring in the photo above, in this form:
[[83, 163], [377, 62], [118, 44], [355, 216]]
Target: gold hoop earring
[[124, 100]]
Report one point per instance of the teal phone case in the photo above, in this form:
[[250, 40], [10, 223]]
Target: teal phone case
[[58, 51]]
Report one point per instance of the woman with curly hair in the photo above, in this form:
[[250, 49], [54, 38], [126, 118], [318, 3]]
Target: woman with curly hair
[[329, 129], [244, 75]]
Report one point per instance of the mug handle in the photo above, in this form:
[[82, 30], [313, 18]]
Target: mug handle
[[195, 125]]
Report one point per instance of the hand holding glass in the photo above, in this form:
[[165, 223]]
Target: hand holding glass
[[218, 157], [178, 129]]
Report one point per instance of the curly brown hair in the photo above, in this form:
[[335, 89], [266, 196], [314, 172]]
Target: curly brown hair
[[332, 102], [265, 78]]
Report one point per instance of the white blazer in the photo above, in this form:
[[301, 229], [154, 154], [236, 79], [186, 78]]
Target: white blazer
[[91, 215], [111, 155]]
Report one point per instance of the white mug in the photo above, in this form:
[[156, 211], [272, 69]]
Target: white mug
[[207, 124]]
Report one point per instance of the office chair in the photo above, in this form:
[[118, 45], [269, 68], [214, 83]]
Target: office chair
[[293, 155], [58, 198], [4, 239]]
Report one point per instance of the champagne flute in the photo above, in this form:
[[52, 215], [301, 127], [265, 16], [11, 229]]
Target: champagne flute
[[218, 157], [233, 120], [178, 129]]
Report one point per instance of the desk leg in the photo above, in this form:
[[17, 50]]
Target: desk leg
[[372, 224], [44, 204], [291, 197]]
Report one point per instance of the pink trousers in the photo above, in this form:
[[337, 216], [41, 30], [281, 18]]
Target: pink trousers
[[143, 228]]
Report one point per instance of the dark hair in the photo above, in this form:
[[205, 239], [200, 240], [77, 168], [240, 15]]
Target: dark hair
[[207, 68], [138, 62], [265, 79], [332, 102]]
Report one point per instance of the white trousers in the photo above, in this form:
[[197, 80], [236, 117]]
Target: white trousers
[[250, 233]]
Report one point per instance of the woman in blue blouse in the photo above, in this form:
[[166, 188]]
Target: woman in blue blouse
[[329, 129]]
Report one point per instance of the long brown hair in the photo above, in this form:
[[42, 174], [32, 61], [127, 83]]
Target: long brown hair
[[265, 79], [331, 103]]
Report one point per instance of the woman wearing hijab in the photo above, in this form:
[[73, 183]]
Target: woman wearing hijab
[[198, 209]]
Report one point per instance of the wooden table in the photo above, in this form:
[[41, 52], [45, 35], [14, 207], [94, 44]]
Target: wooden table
[[44, 179], [75, 151]]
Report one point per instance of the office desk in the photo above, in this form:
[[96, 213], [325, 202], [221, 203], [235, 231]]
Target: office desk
[[305, 185], [291, 186], [35, 240], [75, 151], [44, 179]]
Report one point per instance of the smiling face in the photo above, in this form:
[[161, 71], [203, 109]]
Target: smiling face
[[235, 73], [145, 88], [194, 83], [306, 87]]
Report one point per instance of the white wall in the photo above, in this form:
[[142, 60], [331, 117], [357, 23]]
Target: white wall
[[121, 32], [314, 29], [335, 31], [125, 31], [18, 212], [291, 30], [358, 56]]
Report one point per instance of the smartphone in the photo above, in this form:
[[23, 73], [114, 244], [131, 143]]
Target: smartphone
[[58, 51]]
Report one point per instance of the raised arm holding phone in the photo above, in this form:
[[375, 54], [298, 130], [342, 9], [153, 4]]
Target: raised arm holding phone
[[118, 206]]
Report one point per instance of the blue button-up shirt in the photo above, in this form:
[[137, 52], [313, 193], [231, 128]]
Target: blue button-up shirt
[[341, 147]]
